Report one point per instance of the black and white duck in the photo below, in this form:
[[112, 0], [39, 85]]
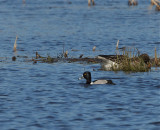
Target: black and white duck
[[87, 76]]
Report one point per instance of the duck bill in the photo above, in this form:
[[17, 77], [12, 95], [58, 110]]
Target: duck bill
[[81, 78]]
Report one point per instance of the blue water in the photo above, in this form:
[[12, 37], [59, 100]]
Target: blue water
[[50, 96]]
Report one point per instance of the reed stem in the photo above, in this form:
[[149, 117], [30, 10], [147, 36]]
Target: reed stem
[[156, 2], [15, 45], [155, 58]]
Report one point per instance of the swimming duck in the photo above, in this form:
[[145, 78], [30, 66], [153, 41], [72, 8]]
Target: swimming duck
[[87, 76]]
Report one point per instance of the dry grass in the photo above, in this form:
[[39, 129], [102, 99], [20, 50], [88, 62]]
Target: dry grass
[[132, 2], [94, 48], [131, 62], [156, 3], [91, 1], [155, 61]]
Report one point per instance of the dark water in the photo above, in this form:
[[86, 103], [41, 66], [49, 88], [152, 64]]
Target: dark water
[[50, 96]]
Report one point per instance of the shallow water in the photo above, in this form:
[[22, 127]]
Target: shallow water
[[50, 96]]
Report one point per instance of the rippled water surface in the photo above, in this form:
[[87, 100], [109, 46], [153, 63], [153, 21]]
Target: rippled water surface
[[50, 96]]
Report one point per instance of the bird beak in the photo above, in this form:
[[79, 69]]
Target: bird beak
[[81, 78]]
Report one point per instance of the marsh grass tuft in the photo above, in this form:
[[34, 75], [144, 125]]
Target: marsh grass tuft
[[132, 65], [50, 59], [131, 61]]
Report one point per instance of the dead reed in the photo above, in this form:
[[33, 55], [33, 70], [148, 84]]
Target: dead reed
[[155, 57], [156, 3], [15, 45], [91, 1], [132, 62], [94, 48], [132, 2], [117, 45]]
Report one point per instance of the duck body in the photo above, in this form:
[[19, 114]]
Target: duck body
[[102, 82], [87, 76]]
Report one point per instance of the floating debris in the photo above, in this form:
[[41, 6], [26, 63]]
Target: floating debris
[[74, 50], [14, 58], [81, 56], [22, 56], [86, 60], [34, 62], [130, 60]]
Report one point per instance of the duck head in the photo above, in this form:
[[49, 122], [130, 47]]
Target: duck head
[[87, 76]]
